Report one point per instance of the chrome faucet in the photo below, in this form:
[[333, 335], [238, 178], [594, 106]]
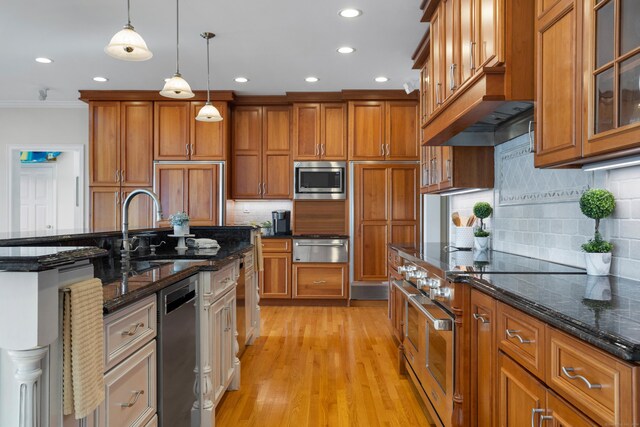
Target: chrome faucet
[[126, 242]]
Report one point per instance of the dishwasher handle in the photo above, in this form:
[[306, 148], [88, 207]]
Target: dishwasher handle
[[179, 297]]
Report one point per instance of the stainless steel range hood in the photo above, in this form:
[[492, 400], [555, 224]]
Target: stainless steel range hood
[[509, 120]]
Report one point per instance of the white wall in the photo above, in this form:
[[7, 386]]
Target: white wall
[[536, 211], [58, 126]]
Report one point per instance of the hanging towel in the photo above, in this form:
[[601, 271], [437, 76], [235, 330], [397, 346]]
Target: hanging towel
[[83, 348], [259, 258]]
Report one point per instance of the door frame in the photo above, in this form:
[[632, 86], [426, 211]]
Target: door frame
[[82, 190]]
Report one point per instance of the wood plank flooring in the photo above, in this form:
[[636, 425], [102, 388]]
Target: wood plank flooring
[[322, 366]]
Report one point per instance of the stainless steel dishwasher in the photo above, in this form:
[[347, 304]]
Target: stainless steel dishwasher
[[177, 353]]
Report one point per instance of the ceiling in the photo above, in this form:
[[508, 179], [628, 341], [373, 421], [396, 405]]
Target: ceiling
[[274, 43]]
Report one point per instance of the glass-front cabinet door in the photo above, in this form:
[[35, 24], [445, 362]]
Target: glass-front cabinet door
[[612, 72]]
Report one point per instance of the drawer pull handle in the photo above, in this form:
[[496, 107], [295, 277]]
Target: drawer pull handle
[[133, 400], [319, 282], [132, 331], [511, 333], [569, 373], [481, 318]]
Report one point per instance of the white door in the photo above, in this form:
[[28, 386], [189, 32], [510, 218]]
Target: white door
[[37, 199]]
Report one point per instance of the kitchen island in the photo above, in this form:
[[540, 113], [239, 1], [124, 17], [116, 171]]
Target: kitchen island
[[36, 268]]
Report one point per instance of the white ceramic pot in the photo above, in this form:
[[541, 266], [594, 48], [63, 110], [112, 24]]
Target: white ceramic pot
[[481, 243], [598, 264], [181, 230], [464, 237]]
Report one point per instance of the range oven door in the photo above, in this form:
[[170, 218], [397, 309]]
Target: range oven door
[[320, 180]]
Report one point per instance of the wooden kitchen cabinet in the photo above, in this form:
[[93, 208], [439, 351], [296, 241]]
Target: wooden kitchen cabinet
[[193, 188], [520, 394], [261, 166], [483, 359], [322, 281], [383, 130], [447, 168], [276, 276], [106, 209], [559, 52], [178, 136], [320, 131], [386, 211]]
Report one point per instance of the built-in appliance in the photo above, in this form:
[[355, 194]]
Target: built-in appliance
[[281, 222], [321, 250], [241, 307], [320, 180], [177, 353]]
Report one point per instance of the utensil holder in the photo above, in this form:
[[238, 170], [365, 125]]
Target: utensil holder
[[464, 237]]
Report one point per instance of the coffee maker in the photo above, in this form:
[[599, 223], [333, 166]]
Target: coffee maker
[[281, 223]]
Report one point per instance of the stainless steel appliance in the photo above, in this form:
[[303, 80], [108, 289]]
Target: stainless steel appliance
[[281, 222], [320, 180], [321, 250], [177, 353], [241, 307]]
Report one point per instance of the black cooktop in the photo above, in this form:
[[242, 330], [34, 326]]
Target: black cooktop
[[451, 260]]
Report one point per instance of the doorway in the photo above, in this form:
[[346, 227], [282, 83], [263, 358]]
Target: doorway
[[48, 196]]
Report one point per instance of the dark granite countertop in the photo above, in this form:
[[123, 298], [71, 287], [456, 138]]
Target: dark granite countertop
[[30, 258], [149, 273], [287, 236]]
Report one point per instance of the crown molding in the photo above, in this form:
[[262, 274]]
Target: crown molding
[[42, 104]]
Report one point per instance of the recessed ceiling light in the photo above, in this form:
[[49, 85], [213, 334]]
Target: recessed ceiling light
[[350, 13], [346, 49], [381, 79], [43, 60], [311, 79], [100, 79], [241, 79]]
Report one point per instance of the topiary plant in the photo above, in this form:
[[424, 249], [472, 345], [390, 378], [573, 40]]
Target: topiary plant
[[482, 210], [597, 204]]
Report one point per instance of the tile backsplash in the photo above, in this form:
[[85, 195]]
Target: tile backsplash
[[536, 211], [244, 212]]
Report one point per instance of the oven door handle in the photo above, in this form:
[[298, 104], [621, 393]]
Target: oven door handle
[[438, 324], [321, 244]]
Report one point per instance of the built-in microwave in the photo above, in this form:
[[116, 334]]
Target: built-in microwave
[[320, 180]]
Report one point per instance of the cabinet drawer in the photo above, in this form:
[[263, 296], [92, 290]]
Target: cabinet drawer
[[128, 329], [320, 280], [574, 366], [522, 337], [130, 390], [249, 262], [224, 279], [276, 245]]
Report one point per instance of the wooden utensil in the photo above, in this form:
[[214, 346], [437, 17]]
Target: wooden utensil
[[471, 220], [455, 217]]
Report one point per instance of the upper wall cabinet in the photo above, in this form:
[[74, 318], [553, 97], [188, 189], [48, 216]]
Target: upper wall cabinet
[[121, 143], [612, 70], [481, 55], [178, 136], [261, 167], [383, 130], [319, 131]]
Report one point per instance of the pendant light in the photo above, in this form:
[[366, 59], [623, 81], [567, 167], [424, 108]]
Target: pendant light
[[208, 113], [127, 45], [176, 86]]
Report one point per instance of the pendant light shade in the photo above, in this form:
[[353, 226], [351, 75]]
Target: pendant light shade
[[128, 45], [208, 113], [177, 87]]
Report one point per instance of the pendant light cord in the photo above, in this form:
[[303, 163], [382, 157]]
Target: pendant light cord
[[208, 73], [128, 13], [177, 37]]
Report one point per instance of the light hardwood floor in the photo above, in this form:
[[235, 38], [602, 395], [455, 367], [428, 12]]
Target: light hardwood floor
[[322, 366]]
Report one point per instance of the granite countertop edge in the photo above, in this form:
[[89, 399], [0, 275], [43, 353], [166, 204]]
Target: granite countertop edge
[[35, 263]]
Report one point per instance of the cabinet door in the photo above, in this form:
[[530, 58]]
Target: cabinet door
[[171, 187], [466, 45], [105, 208], [447, 9], [229, 346], [366, 130], [276, 276], [521, 399], [171, 130], [104, 143], [218, 321], [425, 94], [401, 131], [445, 165], [483, 359], [559, 84], [333, 131], [399, 310], [437, 60], [403, 204], [565, 415], [306, 131], [487, 32], [208, 139], [320, 280], [202, 194], [246, 169], [277, 181], [371, 213], [140, 210], [136, 141]]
